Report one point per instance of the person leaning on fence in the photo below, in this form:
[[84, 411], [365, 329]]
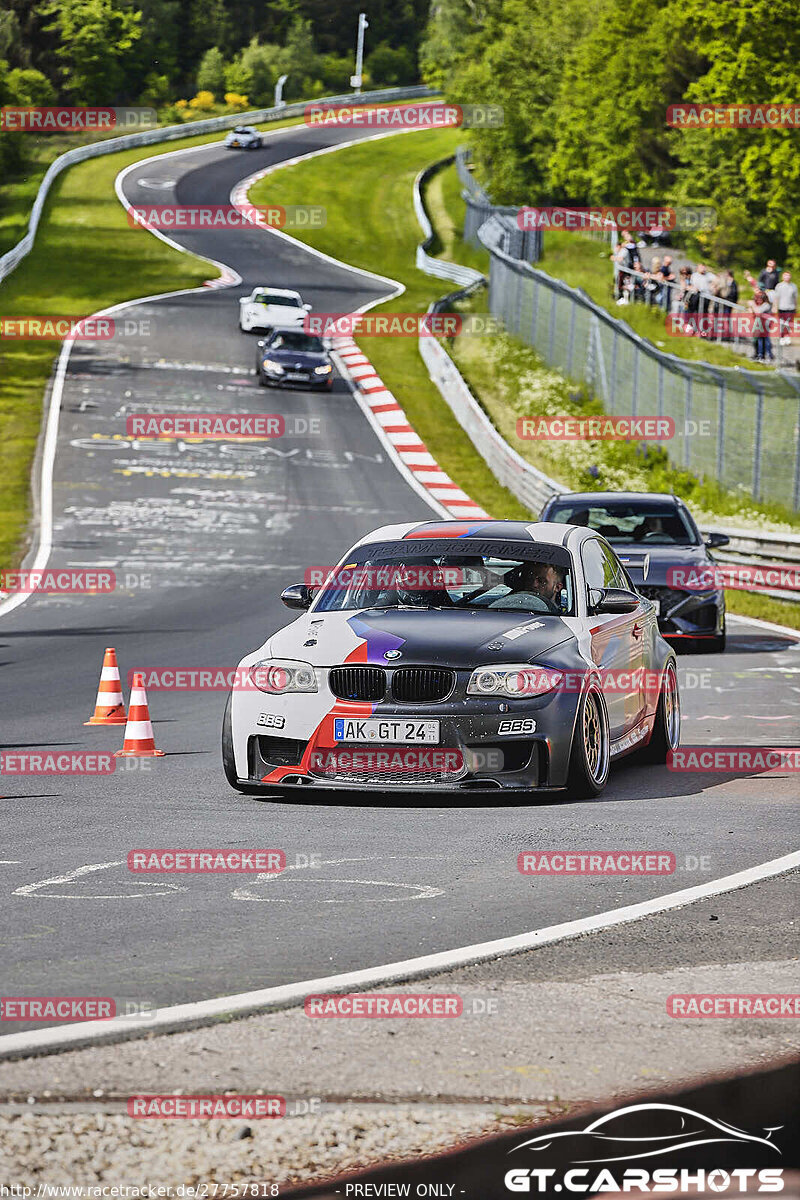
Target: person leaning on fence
[[668, 276], [687, 296], [653, 282], [761, 307], [701, 282], [727, 289], [785, 306]]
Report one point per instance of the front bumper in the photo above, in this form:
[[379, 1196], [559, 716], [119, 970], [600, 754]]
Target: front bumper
[[524, 748], [688, 614]]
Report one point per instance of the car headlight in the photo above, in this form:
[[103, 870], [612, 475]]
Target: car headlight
[[515, 680], [269, 364], [326, 370], [279, 676]]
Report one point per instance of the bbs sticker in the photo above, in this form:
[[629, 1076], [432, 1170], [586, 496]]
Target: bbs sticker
[[520, 725], [271, 720]]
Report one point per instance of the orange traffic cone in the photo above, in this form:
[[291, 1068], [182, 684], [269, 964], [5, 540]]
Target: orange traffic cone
[[139, 741], [109, 708]]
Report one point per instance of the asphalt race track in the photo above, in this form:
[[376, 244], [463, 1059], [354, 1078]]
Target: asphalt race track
[[205, 536]]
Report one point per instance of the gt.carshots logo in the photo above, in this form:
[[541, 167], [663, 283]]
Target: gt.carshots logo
[[656, 1133]]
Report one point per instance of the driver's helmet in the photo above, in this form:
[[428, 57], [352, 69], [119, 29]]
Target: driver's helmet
[[420, 582]]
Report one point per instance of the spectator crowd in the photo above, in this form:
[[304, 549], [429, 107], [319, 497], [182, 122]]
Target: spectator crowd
[[687, 291]]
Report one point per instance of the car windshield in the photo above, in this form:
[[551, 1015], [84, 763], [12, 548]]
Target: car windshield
[[296, 341], [272, 298], [243, 129], [650, 523], [523, 578]]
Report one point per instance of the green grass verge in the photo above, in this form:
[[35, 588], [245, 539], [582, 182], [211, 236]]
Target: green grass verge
[[85, 257], [371, 224]]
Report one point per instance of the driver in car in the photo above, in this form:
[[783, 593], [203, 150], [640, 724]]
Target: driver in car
[[536, 584]]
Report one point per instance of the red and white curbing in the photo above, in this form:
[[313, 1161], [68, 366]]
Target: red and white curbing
[[393, 428]]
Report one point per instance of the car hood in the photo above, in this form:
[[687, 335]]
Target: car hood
[[300, 358], [660, 559], [461, 638]]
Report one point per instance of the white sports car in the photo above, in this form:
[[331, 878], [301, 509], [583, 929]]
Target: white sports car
[[243, 137], [267, 307], [489, 655]]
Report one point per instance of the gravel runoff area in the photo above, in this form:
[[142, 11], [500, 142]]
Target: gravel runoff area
[[88, 1148]]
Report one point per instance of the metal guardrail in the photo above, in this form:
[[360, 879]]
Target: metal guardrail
[[439, 267], [533, 487], [151, 137]]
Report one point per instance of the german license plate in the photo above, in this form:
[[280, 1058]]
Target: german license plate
[[380, 731], [296, 375]]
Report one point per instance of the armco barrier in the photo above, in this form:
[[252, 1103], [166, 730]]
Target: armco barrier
[[169, 133], [441, 268]]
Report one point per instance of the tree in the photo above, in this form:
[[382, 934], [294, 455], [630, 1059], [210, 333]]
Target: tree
[[750, 54], [211, 72], [95, 41], [254, 73], [390, 67], [611, 139]]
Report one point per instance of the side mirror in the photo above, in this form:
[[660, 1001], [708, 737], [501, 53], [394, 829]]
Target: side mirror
[[613, 600], [297, 595], [307, 307], [261, 343], [717, 539]]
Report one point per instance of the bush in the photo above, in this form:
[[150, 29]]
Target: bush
[[202, 102], [236, 101], [391, 67]]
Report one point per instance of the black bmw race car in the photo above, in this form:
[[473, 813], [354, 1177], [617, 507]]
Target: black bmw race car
[[488, 655], [291, 356], [659, 543]]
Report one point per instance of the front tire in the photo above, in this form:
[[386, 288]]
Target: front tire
[[666, 733], [228, 760], [591, 748]]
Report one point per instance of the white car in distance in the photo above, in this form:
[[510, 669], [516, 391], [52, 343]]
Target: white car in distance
[[267, 307]]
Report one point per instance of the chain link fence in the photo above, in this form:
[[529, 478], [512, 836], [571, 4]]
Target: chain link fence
[[737, 426]]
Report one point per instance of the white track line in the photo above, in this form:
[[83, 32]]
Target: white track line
[[205, 1012]]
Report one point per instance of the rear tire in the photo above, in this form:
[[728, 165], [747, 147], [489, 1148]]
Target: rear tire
[[666, 733], [591, 748]]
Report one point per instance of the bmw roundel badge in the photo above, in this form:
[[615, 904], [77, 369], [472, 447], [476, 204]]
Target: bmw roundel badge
[[393, 654]]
